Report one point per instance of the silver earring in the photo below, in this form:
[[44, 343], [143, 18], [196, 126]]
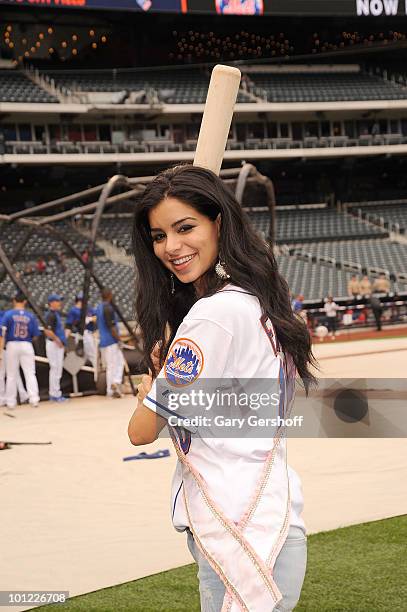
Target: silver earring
[[221, 270], [172, 284]]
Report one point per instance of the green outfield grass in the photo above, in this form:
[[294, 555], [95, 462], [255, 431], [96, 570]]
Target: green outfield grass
[[362, 568]]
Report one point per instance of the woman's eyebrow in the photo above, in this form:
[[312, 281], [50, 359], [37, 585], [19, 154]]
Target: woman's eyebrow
[[182, 220], [158, 229]]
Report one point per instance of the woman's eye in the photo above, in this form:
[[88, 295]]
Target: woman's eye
[[158, 237], [186, 228]]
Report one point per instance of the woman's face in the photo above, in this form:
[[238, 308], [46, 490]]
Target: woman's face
[[184, 240]]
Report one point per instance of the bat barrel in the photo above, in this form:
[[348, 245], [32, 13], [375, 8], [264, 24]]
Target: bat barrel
[[217, 117]]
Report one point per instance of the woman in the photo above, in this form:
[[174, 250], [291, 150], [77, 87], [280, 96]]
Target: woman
[[213, 309]]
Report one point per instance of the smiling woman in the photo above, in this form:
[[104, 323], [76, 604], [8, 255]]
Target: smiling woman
[[214, 310], [184, 240]]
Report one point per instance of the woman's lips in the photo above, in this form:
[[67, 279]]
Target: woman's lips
[[184, 262]]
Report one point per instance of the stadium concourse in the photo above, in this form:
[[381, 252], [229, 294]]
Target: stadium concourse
[[87, 524]]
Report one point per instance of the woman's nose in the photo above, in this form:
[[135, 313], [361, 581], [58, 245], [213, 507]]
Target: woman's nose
[[173, 243]]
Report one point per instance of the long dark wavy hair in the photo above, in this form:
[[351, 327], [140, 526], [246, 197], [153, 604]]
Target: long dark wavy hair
[[248, 259]]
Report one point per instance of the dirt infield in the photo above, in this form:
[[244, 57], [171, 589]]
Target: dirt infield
[[78, 518], [375, 357], [350, 335]]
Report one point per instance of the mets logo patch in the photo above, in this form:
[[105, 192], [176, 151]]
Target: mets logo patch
[[184, 362]]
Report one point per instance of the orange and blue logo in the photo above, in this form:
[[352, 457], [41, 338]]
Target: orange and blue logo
[[184, 362]]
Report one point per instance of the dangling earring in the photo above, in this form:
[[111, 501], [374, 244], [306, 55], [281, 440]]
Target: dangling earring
[[221, 270], [172, 284]]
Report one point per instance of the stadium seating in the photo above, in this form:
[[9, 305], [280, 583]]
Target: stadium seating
[[190, 85], [391, 256], [118, 227], [330, 236], [326, 87], [118, 277], [312, 280], [171, 86], [304, 225], [16, 87], [149, 137], [166, 145], [40, 244], [390, 213]]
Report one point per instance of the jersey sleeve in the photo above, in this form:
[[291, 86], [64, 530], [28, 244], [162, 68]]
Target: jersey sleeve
[[70, 319], [5, 322], [196, 362]]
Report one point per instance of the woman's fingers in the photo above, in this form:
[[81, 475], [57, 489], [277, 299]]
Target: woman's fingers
[[145, 386], [155, 357]]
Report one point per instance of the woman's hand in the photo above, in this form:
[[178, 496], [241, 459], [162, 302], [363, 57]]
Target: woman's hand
[[147, 379], [145, 386], [145, 425], [155, 357]]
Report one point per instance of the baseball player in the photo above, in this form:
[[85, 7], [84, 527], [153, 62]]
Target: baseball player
[[109, 342], [19, 328], [22, 393], [89, 340], [55, 346], [72, 326]]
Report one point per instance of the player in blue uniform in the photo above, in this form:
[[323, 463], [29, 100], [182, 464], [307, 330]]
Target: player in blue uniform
[[74, 316], [72, 326], [23, 395], [19, 328], [109, 342], [55, 347]]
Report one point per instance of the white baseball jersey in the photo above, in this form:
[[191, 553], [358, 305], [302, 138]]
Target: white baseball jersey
[[223, 336], [330, 309]]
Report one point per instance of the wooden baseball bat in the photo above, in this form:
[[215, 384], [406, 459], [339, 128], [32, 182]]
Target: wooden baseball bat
[[217, 117]]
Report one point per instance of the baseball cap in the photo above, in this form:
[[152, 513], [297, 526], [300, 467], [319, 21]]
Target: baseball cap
[[55, 297], [19, 297]]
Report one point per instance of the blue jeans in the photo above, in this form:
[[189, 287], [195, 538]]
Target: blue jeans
[[289, 572]]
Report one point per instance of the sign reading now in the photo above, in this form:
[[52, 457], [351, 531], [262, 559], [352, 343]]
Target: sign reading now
[[377, 8]]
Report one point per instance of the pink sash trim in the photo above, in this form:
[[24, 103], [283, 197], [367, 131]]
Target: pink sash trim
[[230, 554], [269, 508]]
